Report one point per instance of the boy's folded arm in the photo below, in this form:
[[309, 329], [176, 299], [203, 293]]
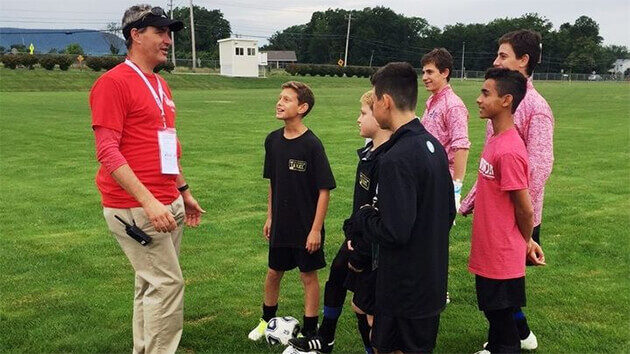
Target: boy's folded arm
[[392, 223]]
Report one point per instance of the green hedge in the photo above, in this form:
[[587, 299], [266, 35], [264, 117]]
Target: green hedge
[[330, 70]]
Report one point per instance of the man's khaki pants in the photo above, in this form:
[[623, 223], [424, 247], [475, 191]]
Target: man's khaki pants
[[158, 314]]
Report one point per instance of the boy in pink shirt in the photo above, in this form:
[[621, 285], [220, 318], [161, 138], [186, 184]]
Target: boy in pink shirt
[[446, 116], [503, 222], [521, 50]]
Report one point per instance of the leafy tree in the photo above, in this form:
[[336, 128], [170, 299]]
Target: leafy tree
[[210, 26], [113, 49], [74, 48]]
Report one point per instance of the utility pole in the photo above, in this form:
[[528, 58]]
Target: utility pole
[[172, 37], [463, 52], [371, 56], [345, 60], [192, 36]]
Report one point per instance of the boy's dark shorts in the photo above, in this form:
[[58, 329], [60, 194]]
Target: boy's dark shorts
[[287, 258], [363, 285], [408, 335], [497, 294]]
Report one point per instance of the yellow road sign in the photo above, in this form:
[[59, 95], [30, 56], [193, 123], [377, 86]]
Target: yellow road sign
[[340, 62]]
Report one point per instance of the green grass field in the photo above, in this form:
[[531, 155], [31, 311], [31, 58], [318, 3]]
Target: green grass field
[[67, 287]]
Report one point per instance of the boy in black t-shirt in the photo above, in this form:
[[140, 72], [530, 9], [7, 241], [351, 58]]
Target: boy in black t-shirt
[[299, 191], [362, 279], [411, 220]]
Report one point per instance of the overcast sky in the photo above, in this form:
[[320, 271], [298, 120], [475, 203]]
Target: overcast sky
[[262, 18]]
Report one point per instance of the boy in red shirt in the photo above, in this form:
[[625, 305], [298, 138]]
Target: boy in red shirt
[[504, 216]]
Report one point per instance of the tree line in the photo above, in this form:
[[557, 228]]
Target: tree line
[[379, 35]]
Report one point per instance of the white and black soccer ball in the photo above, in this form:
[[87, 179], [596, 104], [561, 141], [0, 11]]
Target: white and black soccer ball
[[281, 329]]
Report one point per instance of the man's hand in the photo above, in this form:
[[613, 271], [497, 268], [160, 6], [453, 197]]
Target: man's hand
[[267, 229], [160, 216], [313, 241], [193, 210], [535, 253]]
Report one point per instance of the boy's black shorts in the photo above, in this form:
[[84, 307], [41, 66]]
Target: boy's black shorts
[[287, 258], [497, 294], [363, 285], [407, 335]]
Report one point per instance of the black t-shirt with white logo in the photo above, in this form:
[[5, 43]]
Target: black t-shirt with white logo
[[297, 169]]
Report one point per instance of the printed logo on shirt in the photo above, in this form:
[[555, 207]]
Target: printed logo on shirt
[[169, 102], [430, 147], [486, 169], [364, 181], [297, 165]]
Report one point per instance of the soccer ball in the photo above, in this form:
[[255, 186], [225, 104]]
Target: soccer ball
[[281, 329]]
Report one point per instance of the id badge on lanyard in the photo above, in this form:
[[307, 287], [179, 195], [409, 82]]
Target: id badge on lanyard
[[167, 137]]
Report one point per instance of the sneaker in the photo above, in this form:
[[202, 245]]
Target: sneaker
[[484, 351], [258, 332], [312, 343], [529, 343], [292, 350]]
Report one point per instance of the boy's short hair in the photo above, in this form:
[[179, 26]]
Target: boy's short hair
[[442, 60], [509, 82], [304, 94], [524, 42], [400, 81], [368, 98]]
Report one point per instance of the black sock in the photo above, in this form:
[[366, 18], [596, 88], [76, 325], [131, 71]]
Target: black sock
[[269, 312], [310, 326], [521, 323], [364, 329], [328, 328]]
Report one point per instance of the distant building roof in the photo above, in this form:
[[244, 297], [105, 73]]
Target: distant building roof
[[93, 42], [281, 55]]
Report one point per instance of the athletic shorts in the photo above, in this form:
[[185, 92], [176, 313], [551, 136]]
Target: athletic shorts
[[363, 285], [498, 294], [287, 258], [405, 334]]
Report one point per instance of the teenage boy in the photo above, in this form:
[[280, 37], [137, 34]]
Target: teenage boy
[[520, 50], [503, 222], [299, 190], [359, 255], [446, 116], [411, 220]]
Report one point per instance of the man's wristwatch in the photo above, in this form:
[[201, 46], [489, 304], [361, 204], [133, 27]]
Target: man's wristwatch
[[183, 188]]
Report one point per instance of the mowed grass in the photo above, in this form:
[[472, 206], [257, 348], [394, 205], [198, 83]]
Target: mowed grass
[[67, 287]]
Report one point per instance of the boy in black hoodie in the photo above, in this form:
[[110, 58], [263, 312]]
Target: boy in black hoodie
[[361, 280], [411, 220]]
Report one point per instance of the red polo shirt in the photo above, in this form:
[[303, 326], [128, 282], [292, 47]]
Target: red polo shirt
[[121, 101]]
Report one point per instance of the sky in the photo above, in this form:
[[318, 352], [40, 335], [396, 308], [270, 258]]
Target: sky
[[263, 18]]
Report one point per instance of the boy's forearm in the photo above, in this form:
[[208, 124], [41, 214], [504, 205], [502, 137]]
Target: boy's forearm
[[322, 208], [459, 164], [524, 213]]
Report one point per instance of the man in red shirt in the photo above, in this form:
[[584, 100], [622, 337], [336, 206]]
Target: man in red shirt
[[140, 179], [504, 215]]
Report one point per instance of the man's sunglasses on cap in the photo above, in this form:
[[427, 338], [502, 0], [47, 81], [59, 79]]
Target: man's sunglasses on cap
[[155, 17]]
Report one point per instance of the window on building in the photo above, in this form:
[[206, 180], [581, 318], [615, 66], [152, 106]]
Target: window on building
[[240, 51], [251, 51]]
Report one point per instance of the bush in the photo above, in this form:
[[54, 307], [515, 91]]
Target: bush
[[27, 60], [110, 62], [168, 67], [94, 63], [48, 62], [10, 61], [64, 61], [292, 69]]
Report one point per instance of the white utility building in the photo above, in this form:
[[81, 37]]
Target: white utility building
[[239, 57]]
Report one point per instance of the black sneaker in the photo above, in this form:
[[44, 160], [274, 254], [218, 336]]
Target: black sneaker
[[316, 343]]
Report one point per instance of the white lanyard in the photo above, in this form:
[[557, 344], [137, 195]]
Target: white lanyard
[[159, 100]]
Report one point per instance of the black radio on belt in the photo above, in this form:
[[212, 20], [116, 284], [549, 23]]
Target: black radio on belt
[[135, 232]]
